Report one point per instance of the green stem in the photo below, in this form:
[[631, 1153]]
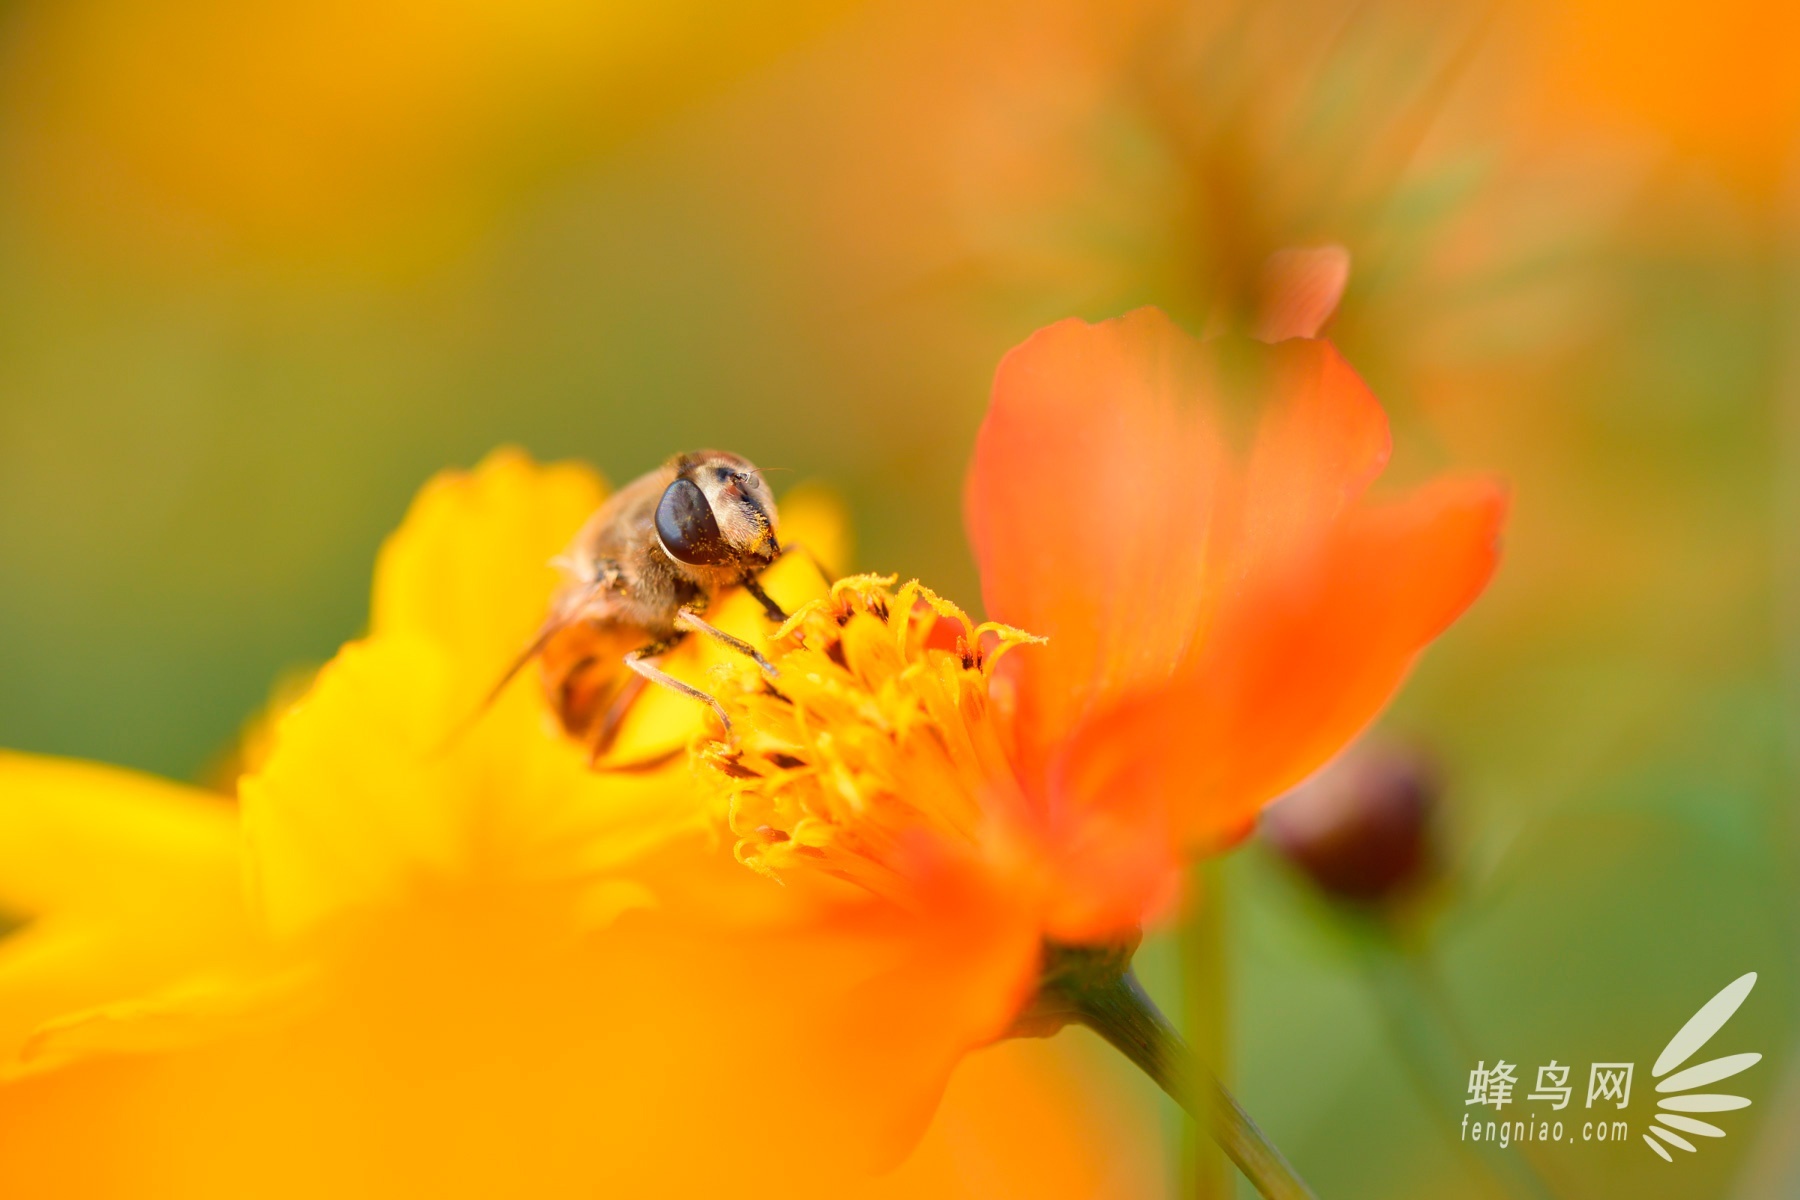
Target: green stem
[[1119, 1011], [1202, 950], [1432, 1047]]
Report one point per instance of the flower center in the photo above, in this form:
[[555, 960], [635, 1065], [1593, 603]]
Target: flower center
[[881, 732]]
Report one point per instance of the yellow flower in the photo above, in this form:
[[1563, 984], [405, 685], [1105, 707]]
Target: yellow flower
[[389, 773], [445, 958]]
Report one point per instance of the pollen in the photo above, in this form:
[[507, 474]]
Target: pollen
[[882, 729]]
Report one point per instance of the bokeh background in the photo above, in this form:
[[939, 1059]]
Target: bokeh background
[[266, 265]]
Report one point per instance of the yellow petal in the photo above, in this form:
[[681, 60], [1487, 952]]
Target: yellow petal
[[380, 784], [126, 882], [247, 998], [814, 521], [469, 567], [82, 837]]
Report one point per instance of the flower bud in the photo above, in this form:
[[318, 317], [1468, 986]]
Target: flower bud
[[1361, 828]]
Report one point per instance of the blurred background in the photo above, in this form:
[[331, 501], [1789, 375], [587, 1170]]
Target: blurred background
[[267, 265]]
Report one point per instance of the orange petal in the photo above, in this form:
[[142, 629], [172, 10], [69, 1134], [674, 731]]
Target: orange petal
[[1090, 503], [1296, 665], [1036, 1118], [479, 1042], [951, 977], [1301, 288], [1107, 515], [1320, 441], [1216, 632], [867, 1006]]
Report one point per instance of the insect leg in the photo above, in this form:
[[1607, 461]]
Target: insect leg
[[606, 730], [639, 661], [642, 765], [755, 588], [689, 619]]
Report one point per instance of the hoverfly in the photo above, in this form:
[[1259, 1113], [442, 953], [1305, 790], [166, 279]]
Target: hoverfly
[[637, 580]]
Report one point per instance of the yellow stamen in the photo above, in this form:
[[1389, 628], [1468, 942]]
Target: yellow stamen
[[880, 729]]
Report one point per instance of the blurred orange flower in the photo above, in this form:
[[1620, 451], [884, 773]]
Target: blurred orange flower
[[1719, 83], [390, 130], [1218, 626], [1214, 627], [466, 964]]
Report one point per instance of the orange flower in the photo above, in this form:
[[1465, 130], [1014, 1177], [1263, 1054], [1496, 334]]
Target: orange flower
[[1214, 627]]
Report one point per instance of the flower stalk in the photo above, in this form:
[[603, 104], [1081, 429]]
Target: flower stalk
[[1433, 1048], [1202, 952], [1095, 986]]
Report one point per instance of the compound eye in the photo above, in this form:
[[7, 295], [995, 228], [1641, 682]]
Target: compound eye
[[687, 528]]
